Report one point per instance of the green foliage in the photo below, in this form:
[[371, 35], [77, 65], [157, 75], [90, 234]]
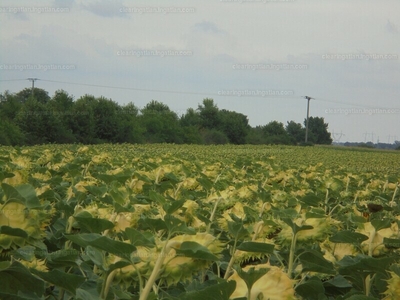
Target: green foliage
[[9, 106], [275, 133], [318, 131], [129, 128], [38, 122], [10, 134], [40, 95], [235, 126], [160, 123], [210, 117], [83, 119], [296, 132], [37, 119], [214, 136]]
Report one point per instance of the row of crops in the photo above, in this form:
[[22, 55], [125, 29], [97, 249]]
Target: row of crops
[[198, 222]]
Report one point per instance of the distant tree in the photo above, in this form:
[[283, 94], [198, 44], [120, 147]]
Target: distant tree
[[296, 132], [256, 136], [275, 133], [190, 123], [84, 123], [106, 119], [38, 123], [61, 104], [40, 95], [190, 118], [10, 134], [214, 137], [129, 127], [160, 123], [318, 131], [209, 114], [235, 126], [9, 106]]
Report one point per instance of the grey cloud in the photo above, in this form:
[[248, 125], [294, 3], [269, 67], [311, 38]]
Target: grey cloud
[[391, 27], [208, 27], [104, 8]]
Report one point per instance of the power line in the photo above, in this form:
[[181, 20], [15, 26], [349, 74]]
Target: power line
[[352, 104], [199, 93], [127, 88], [12, 79]]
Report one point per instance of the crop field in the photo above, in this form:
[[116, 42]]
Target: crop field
[[199, 222]]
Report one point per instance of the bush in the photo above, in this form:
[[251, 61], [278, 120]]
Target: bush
[[304, 144], [215, 137], [10, 134]]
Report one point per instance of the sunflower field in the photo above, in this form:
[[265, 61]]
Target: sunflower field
[[199, 222]]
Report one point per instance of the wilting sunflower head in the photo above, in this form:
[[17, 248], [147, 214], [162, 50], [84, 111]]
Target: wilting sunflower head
[[245, 256], [20, 177], [177, 268], [334, 252], [37, 264], [375, 238], [274, 285], [32, 221], [322, 227], [393, 287], [190, 183], [236, 210]]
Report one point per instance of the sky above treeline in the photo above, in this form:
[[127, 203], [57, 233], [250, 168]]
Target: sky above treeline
[[259, 58]]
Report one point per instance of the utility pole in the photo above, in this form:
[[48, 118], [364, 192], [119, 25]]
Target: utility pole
[[33, 84], [308, 114]]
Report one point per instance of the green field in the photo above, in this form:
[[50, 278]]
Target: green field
[[167, 221]]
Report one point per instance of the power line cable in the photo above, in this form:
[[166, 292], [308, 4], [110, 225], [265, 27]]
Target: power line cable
[[204, 93], [12, 79]]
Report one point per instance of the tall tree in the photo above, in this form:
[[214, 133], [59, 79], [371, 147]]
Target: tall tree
[[190, 118], [234, 125], [11, 134], [106, 119], [190, 124], [318, 131], [275, 133], [84, 123], [129, 128], [296, 132], [209, 114], [38, 123], [40, 95], [61, 105], [9, 106], [161, 124]]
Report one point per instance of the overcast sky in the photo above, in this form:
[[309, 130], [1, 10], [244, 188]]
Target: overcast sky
[[256, 57]]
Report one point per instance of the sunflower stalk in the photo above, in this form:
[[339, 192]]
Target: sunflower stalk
[[156, 270], [368, 279], [232, 260], [291, 255], [394, 195], [213, 214]]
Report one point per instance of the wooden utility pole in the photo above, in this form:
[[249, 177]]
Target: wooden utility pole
[[308, 115], [33, 84]]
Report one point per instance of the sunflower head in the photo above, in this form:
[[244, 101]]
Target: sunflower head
[[32, 221]]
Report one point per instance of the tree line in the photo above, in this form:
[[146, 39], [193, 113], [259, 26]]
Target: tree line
[[33, 117]]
